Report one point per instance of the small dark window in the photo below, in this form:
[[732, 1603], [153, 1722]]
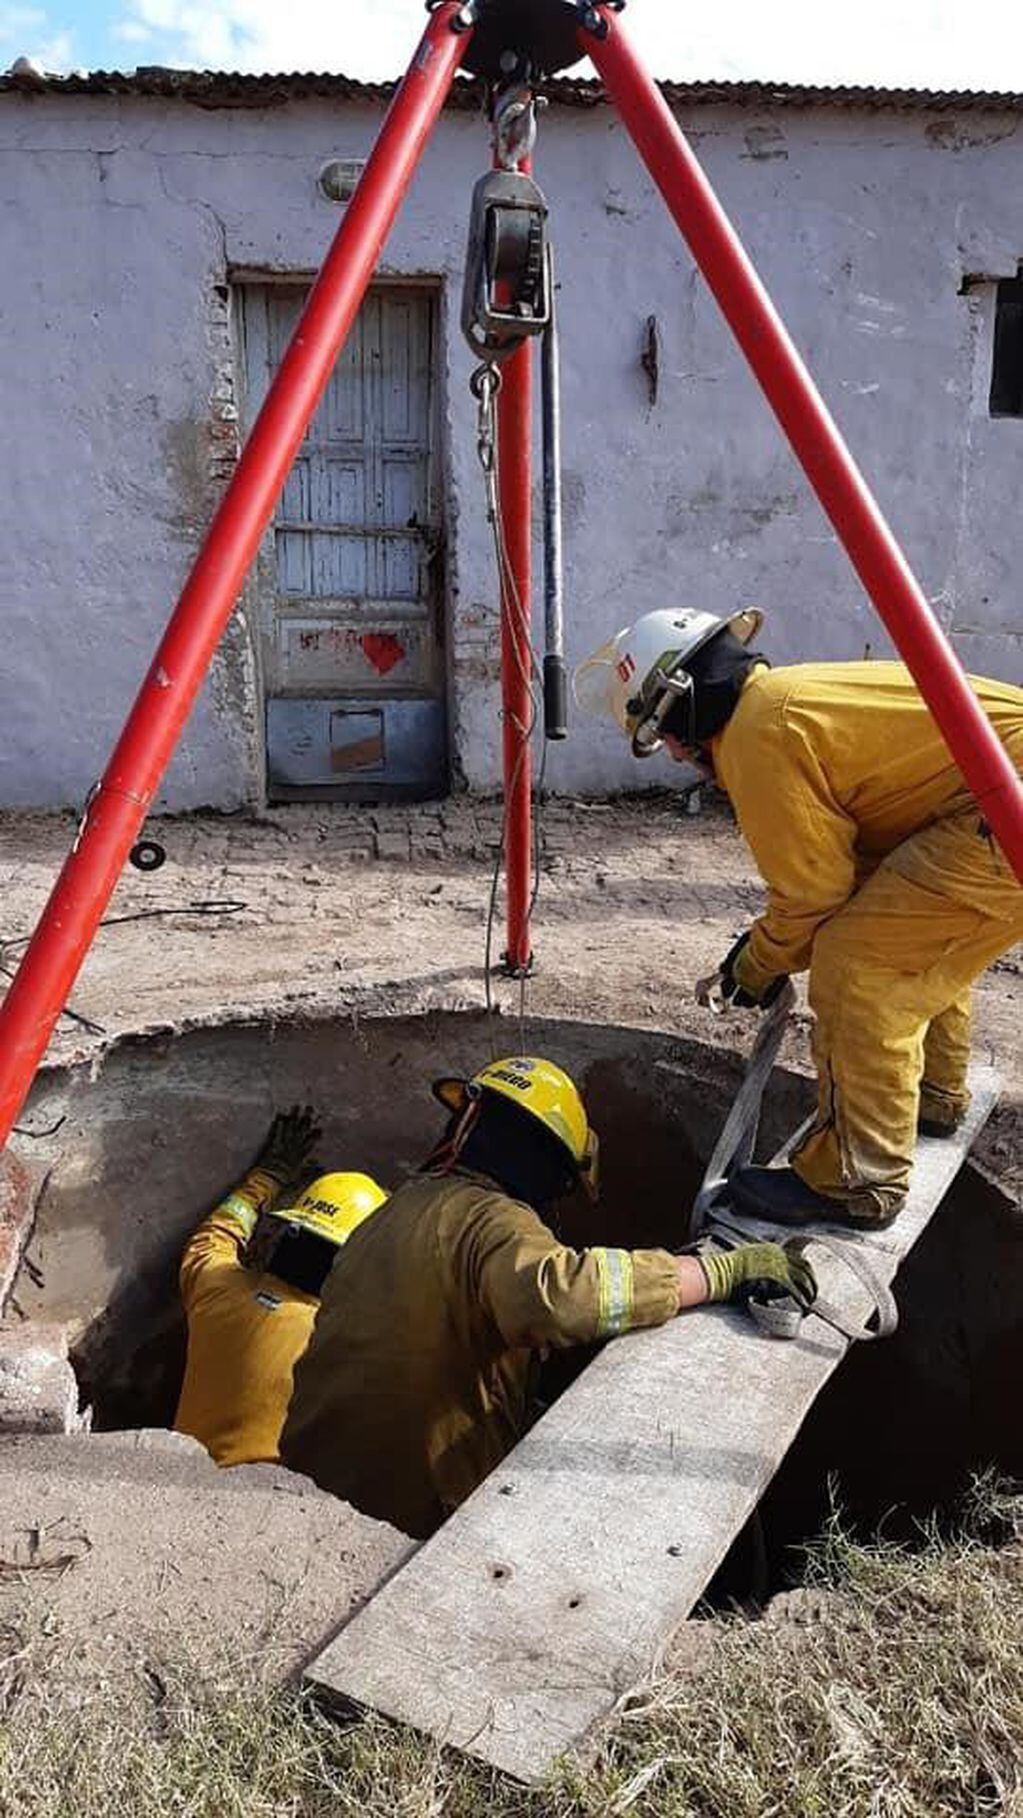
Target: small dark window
[[1007, 366]]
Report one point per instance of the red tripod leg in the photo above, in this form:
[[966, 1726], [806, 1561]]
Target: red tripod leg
[[514, 446], [815, 439], [118, 807], [515, 505]]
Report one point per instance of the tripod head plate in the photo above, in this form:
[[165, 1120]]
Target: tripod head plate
[[539, 37]]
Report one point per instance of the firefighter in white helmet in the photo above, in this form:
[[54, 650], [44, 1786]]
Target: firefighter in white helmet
[[418, 1376], [648, 673], [883, 879], [251, 1278]]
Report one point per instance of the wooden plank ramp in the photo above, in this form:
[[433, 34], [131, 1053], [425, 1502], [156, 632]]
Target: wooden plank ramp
[[553, 1589]]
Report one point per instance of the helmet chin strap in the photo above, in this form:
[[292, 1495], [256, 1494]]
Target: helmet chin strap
[[447, 1153], [676, 690]]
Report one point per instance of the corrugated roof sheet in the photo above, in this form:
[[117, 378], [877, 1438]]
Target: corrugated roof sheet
[[215, 88]]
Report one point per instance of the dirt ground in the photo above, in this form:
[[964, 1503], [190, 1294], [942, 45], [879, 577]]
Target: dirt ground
[[324, 908]]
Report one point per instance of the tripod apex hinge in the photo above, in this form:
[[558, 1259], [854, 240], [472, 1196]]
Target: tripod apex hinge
[[531, 38]]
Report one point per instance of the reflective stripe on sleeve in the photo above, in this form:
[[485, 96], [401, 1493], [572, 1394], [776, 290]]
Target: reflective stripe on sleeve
[[614, 1276], [234, 1206]]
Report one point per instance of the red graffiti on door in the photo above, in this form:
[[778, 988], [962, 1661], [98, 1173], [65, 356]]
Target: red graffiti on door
[[382, 649]]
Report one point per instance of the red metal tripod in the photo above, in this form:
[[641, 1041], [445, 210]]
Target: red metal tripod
[[495, 38]]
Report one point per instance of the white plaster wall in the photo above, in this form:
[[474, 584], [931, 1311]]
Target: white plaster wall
[[122, 216]]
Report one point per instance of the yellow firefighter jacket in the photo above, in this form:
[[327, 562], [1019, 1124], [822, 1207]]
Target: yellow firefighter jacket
[[416, 1379], [245, 1332], [829, 767]]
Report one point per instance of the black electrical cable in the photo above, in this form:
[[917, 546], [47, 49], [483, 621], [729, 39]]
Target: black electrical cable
[[213, 905], [204, 906], [73, 1016]]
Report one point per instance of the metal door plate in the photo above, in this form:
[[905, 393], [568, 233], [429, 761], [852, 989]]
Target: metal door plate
[[356, 746]]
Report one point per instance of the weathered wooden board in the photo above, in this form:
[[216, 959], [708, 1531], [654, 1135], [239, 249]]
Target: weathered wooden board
[[553, 1588]]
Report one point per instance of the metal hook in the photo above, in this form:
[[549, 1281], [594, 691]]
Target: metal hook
[[514, 126], [485, 381], [484, 384]]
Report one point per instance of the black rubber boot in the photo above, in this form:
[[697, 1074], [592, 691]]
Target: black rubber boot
[[778, 1194], [930, 1126], [941, 1113], [938, 1126]]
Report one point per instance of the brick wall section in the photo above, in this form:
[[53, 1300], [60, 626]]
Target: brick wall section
[[224, 436]]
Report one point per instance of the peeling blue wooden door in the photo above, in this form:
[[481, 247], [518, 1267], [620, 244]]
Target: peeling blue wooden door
[[349, 582]]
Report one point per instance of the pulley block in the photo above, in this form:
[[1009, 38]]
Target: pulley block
[[506, 295]]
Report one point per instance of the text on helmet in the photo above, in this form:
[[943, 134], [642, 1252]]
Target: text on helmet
[[519, 1080]]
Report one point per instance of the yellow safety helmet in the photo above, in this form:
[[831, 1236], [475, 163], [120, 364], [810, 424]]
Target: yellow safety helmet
[[333, 1206], [544, 1091]]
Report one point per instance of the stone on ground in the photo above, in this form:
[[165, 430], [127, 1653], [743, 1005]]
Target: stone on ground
[[38, 1387]]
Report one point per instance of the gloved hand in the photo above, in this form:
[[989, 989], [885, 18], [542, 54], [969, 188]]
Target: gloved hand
[[292, 1137], [763, 1269], [726, 990]]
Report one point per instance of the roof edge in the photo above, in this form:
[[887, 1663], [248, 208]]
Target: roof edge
[[219, 88]]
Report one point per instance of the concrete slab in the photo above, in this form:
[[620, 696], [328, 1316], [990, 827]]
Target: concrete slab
[[551, 1592], [136, 1550]]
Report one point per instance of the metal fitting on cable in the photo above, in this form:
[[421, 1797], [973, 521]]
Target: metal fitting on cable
[[465, 18], [590, 19], [485, 383]]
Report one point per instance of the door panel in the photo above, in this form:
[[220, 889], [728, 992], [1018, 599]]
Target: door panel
[[349, 583], [322, 654]]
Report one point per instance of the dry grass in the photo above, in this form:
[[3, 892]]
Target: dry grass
[[890, 1687]]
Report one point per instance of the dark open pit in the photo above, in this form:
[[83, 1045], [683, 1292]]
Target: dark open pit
[[169, 1123], [903, 1426]]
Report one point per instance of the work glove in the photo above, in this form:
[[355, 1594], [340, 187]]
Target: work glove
[[730, 988], [765, 1271], [292, 1137]]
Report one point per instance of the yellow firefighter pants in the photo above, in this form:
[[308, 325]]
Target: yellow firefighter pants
[[890, 985]]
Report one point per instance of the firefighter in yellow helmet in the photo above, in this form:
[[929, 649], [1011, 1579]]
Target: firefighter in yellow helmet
[[883, 880], [251, 1277], [417, 1379]]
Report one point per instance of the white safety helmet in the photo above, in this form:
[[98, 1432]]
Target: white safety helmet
[[640, 672]]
